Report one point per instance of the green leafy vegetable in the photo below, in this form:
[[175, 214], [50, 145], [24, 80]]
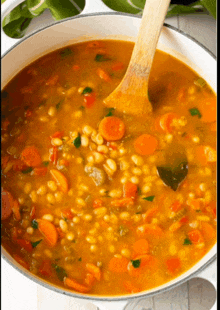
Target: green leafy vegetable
[[149, 198], [61, 273], [87, 90], [77, 142], [101, 57], [34, 244], [45, 163], [187, 242], [194, 112], [110, 113], [66, 52], [172, 177], [28, 170], [34, 224], [136, 263]]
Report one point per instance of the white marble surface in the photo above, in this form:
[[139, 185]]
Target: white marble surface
[[20, 293]]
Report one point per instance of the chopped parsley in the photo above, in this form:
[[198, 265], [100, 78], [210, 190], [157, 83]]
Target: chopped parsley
[[34, 224], [66, 52], [187, 241], [34, 244], [77, 142], [87, 90], [149, 198], [45, 163], [195, 112], [136, 263], [28, 170], [59, 104], [101, 57], [110, 112], [61, 273]]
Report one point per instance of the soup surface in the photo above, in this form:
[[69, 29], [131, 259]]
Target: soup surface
[[101, 202]]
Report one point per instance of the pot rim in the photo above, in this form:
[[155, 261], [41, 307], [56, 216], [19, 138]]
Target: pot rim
[[143, 294]]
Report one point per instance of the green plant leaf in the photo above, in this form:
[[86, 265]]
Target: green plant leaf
[[61, 9], [131, 6], [211, 6], [195, 112], [36, 7], [178, 9], [61, 273], [34, 244], [149, 198]]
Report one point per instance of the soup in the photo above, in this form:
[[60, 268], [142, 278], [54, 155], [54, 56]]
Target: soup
[[98, 201]]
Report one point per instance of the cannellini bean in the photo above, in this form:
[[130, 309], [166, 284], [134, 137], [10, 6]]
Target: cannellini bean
[[112, 164], [134, 179], [70, 236], [63, 226], [115, 193], [99, 139], [100, 212], [87, 217], [80, 202], [126, 253], [102, 149], [58, 196], [112, 248], [52, 111], [137, 160], [146, 169], [113, 154], [125, 216], [113, 219], [48, 217], [42, 190], [124, 165], [30, 230], [50, 198], [172, 249], [87, 130], [84, 140], [33, 196], [98, 157], [137, 171], [56, 141], [52, 185], [76, 220], [93, 248], [91, 239]]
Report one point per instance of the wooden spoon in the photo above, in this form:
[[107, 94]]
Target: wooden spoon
[[131, 95]]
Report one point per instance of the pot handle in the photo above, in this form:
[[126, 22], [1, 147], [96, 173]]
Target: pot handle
[[209, 273], [110, 305], [6, 8]]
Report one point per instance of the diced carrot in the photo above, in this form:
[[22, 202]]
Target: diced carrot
[[208, 231], [145, 144], [196, 204], [7, 204], [71, 283], [195, 236], [30, 155], [97, 203], [184, 220], [49, 231], [112, 128], [61, 234], [89, 100], [176, 206], [67, 213], [45, 268], [173, 264], [118, 264], [130, 287], [211, 208], [64, 162], [22, 137], [175, 226], [53, 155], [33, 212], [57, 134], [181, 94], [208, 108], [205, 154], [25, 244], [103, 224], [75, 67], [150, 213], [21, 261], [146, 261], [213, 126], [89, 279], [164, 122], [16, 210], [149, 229], [40, 171], [117, 66], [141, 246], [122, 202], [52, 80], [103, 75], [60, 179], [94, 270], [130, 190]]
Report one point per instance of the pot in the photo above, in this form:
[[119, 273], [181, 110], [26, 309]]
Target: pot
[[18, 53]]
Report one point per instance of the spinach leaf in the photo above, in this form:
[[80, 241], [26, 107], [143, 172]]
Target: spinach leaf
[[77, 142], [87, 90], [194, 112], [61, 273], [110, 113], [34, 244], [101, 58], [172, 177], [66, 52], [149, 198], [136, 263], [28, 170], [187, 241]]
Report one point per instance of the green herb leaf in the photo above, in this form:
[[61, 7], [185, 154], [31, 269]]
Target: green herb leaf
[[80, 259], [101, 58], [149, 198], [82, 108], [65, 8], [77, 142], [136, 263], [87, 90], [187, 242], [172, 177], [61, 273], [28, 170], [110, 113], [34, 224], [34, 244], [66, 52], [59, 104], [45, 163], [194, 112]]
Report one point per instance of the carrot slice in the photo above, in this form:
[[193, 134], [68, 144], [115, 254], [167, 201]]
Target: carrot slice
[[60, 179], [90, 279], [71, 283], [145, 144], [89, 100], [118, 264], [30, 155], [208, 231], [49, 231], [145, 261], [173, 264], [164, 122], [141, 246], [97, 203], [130, 190], [176, 206], [21, 261], [130, 287], [195, 236], [112, 128], [103, 75], [196, 204], [7, 204], [149, 229], [208, 110], [122, 202], [94, 270]]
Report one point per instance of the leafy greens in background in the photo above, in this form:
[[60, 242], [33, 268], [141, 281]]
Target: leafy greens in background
[[17, 21]]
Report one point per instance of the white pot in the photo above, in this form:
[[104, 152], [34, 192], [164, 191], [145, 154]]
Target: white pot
[[110, 25]]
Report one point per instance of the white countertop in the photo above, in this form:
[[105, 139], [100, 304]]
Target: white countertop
[[19, 293]]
